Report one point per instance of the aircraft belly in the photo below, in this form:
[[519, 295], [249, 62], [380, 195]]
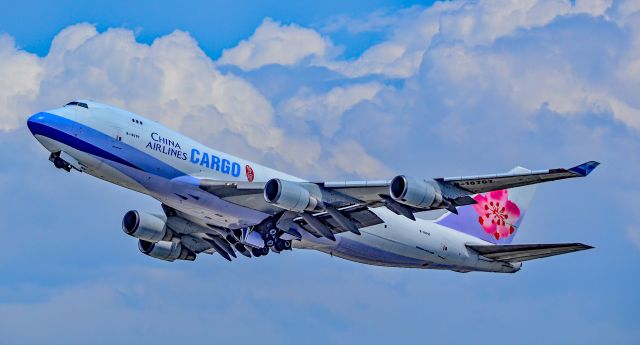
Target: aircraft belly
[[371, 251]]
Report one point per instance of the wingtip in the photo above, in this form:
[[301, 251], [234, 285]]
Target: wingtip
[[581, 246], [585, 169]]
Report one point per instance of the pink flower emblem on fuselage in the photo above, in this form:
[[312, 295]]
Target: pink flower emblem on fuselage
[[497, 214]]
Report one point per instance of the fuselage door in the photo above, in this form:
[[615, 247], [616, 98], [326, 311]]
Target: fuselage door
[[443, 247], [117, 138]]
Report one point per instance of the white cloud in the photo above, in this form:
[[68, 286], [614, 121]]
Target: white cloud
[[401, 54], [171, 81], [351, 157], [168, 80], [517, 55], [20, 76], [528, 81], [473, 23], [326, 108], [448, 46], [469, 101], [275, 43]]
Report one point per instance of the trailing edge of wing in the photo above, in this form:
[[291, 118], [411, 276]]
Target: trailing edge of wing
[[359, 215], [524, 252]]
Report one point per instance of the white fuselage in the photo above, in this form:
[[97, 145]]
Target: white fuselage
[[134, 152]]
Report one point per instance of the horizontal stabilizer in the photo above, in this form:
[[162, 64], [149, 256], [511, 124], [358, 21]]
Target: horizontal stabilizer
[[524, 252]]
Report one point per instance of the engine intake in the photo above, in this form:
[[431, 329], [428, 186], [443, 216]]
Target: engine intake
[[164, 250], [415, 192], [146, 226], [289, 195]]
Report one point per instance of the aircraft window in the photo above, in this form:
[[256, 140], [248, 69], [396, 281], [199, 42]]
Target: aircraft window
[[79, 104]]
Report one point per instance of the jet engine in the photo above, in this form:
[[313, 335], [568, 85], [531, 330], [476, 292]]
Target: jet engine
[[145, 226], [289, 195], [164, 250], [415, 192]]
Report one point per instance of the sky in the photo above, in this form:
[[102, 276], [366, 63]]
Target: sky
[[327, 90]]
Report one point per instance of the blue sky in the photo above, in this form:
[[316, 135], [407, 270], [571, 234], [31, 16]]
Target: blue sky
[[327, 90]]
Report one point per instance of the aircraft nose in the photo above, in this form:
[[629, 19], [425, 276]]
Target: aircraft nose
[[35, 121]]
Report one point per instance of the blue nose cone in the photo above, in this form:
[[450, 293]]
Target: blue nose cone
[[35, 122], [39, 123]]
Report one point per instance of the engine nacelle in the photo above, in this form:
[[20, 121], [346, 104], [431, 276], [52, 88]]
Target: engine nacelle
[[289, 195], [415, 192], [164, 250], [145, 226]]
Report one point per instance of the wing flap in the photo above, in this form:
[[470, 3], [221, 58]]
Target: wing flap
[[360, 215], [524, 252]]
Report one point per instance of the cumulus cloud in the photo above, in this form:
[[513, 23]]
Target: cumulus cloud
[[325, 109], [456, 88], [473, 23], [170, 80], [527, 80], [20, 76], [275, 43], [528, 56], [351, 157], [454, 58], [400, 55]]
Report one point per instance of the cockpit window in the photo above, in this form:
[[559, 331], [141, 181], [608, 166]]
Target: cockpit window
[[78, 104]]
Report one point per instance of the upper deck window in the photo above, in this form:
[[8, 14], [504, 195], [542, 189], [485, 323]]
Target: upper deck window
[[79, 104]]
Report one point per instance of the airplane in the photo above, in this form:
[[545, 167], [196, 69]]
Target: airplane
[[213, 202]]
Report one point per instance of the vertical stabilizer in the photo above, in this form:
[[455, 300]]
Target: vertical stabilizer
[[497, 215]]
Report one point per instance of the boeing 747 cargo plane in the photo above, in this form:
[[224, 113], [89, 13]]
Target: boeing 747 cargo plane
[[213, 202]]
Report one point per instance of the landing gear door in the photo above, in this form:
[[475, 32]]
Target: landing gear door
[[252, 238]]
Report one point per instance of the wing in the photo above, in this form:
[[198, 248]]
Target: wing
[[524, 252], [455, 191], [344, 205], [487, 183], [467, 185]]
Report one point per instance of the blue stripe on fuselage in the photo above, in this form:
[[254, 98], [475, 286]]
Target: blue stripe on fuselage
[[99, 144]]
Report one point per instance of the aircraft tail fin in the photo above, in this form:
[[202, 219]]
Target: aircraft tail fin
[[524, 252], [496, 216]]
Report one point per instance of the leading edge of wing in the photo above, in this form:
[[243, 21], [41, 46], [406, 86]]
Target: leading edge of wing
[[583, 169], [517, 177]]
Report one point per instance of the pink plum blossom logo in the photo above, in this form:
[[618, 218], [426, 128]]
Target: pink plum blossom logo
[[497, 213]]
